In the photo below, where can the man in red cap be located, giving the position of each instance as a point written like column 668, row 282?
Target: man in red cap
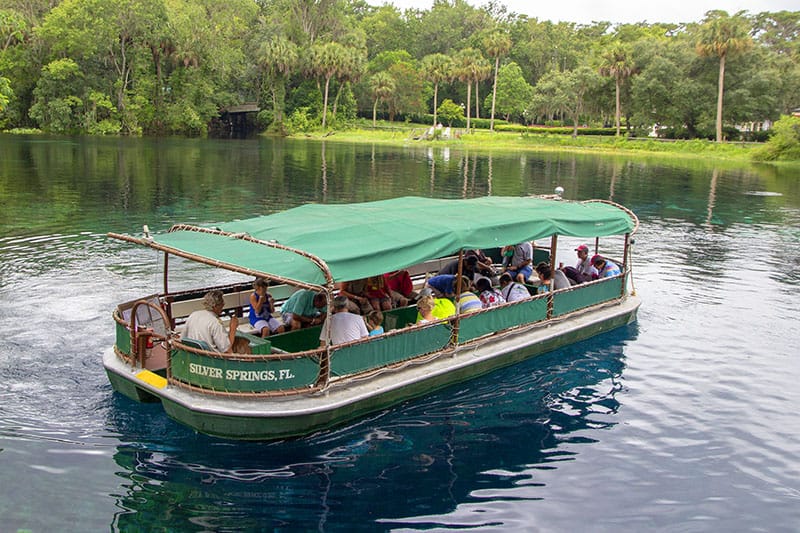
column 584, row 270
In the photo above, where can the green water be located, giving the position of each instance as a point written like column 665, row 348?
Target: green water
column 685, row 421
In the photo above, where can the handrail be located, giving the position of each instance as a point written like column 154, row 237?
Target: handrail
column 137, row 351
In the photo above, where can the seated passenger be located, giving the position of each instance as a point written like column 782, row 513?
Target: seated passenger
column 304, row 308
column 262, row 306
column 519, row 263
column 489, row 296
column 204, row 324
column 375, row 323
column 511, row 290
column 468, row 301
column 442, row 307
column 343, row 326
column 551, row 280
column 378, row 294
column 605, row 268
column 469, row 267
column 484, row 265
column 425, row 305
column 356, row 292
column 442, row 285
column 584, row 270
column 400, row 288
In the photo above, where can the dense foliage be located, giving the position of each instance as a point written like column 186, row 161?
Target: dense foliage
column 171, row 66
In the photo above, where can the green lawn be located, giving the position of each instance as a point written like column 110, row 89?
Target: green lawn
column 405, row 134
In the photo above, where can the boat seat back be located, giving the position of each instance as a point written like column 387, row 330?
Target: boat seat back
column 197, row 344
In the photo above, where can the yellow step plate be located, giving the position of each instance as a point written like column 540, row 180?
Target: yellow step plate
column 152, row 379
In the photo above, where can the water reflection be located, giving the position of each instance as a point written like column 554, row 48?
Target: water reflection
column 434, row 453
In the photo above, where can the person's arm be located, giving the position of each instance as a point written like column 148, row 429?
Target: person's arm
column 257, row 303
column 232, row 332
column 343, row 289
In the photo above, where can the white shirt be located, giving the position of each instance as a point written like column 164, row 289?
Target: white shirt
column 514, row 291
column 203, row 325
column 344, row 327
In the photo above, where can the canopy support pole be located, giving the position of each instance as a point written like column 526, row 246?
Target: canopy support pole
column 459, row 288
column 553, row 248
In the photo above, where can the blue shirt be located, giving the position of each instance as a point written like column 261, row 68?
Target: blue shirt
column 610, row 269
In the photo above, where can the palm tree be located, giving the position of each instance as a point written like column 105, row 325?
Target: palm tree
column 382, row 86
column 436, row 68
column 618, row 64
column 497, row 45
column 351, row 71
column 278, row 58
column 722, row 36
column 327, row 60
column 482, row 72
column 466, row 69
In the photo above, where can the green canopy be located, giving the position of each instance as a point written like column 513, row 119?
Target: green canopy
column 366, row 239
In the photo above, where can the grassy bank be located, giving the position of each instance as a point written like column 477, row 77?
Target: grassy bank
column 511, row 141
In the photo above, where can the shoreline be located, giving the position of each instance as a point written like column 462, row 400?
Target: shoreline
column 484, row 140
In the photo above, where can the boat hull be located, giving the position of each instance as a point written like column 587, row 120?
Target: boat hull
column 298, row 415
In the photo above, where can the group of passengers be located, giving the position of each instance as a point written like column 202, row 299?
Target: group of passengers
column 357, row 309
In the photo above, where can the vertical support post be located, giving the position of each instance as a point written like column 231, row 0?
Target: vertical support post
column 459, row 288
column 625, row 264
column 553, row 250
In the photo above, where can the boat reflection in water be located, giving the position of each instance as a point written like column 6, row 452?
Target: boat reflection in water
column 481, row 441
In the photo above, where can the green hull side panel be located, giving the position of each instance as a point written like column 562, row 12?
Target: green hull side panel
column 500, row 318
column 568, row 301
column 256, row 374
column 259, row 428
column 382, row 351
column 123, row 338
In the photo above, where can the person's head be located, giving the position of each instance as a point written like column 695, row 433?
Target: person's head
column 466, row 283
column 320, row 300
column 426, row 304
column 260, row 284
column 543, row 269
column 582, row 251
column 505, row 279
column 339, row 303
column 483, row 284
column 471, row 262
column 375, row 319
column 214, row 301
column 598, row 262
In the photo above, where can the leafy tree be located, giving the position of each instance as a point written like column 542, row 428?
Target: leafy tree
column 436, row 68
column 618, row 64
column 382, row 87
column 102, row 29
column 497, row 45
column 723, row 36
column 665, row 94
column 513, row 92
column 564, row 92
column 409, row 95
column 450, row 111
column 6, row 94
column 57, row 103
column 13, row 28
column 385, row 29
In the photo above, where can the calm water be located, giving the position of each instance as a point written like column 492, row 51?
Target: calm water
column 685, row 421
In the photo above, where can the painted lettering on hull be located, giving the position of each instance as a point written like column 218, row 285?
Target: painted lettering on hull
column 240, row 375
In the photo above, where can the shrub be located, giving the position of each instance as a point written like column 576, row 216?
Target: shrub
column 784, row 144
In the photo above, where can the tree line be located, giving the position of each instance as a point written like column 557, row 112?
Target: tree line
column 169, row 66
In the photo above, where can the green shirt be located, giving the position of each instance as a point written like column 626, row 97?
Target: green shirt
column 302, row 303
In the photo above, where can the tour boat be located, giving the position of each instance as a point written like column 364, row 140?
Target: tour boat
column 291, row 385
